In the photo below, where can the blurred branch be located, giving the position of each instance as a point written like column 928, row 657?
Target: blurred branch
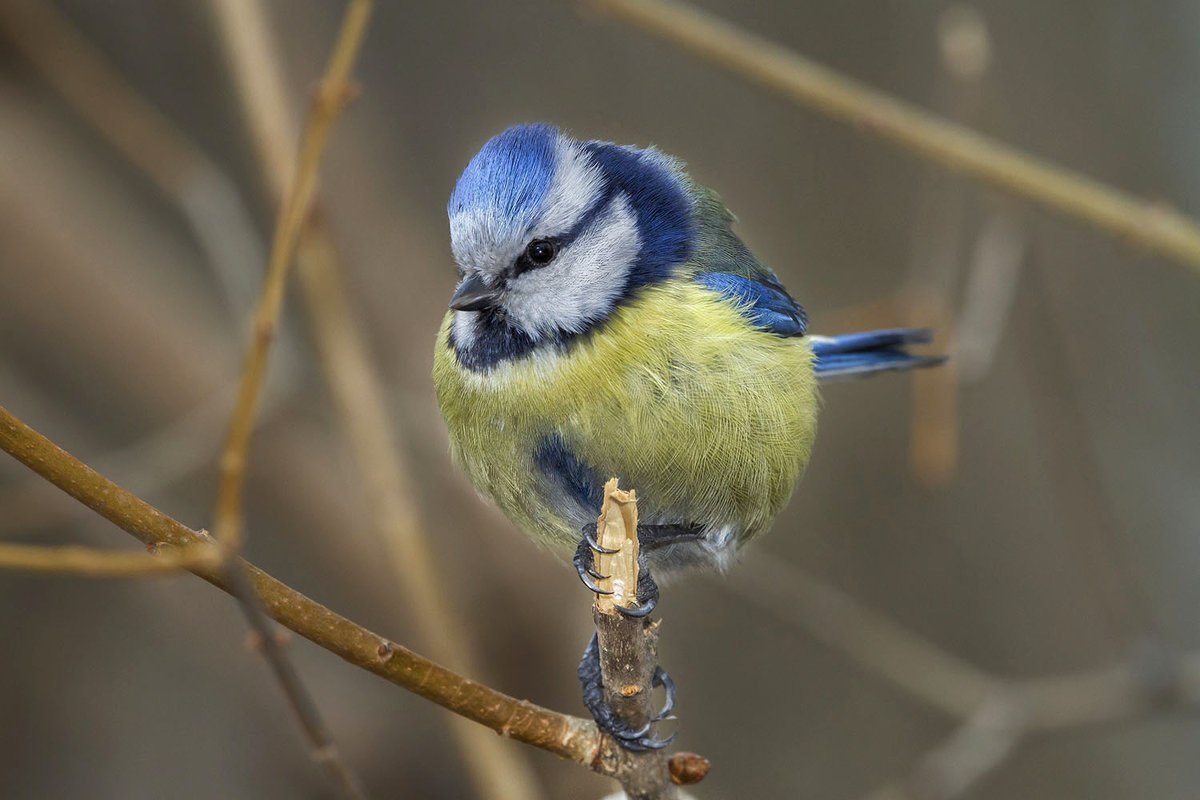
column 996, row 712
column 993, row 273
column 206, row 197
column 981, row 744
column 496, row 770
column 1149, row 680
column 92, row 563
column 208, row 200
column 331, row 97
column 572, row 738
column 1151, row 225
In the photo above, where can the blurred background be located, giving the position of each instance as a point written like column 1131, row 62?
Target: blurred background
column 1031, row 512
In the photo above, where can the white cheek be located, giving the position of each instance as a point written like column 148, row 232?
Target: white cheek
column 464, row 325
column 584, row 282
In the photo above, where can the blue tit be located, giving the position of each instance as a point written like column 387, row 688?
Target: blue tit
column 609, row 323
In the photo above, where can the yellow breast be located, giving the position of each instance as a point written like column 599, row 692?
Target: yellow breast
column 676, row 394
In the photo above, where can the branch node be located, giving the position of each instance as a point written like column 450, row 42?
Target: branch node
column 688, row 768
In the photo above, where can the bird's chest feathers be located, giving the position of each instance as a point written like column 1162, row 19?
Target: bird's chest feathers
column 674, row 392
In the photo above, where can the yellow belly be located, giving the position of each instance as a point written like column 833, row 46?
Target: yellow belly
column 676, row 394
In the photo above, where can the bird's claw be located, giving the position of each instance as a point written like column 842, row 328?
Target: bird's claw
column 587, row 574
column 638, row 739
column 661, row 678
column 640, row 610
column 590, row 538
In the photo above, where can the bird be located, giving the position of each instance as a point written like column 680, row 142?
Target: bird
column 608, row 322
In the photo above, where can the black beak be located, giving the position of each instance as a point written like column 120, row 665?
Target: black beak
column 473, row 295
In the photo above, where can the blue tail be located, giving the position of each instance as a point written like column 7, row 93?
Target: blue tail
column 858, row 354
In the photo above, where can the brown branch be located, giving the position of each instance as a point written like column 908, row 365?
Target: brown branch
column 331, row 98
column 628, row 647
column 1150, row 680
column 497, row 770
column 569, row 737
column 204, row 195
column 92, row 563
column 1151, row 225
column 324, row 748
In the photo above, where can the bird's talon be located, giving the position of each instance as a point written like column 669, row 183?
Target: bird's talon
column 590, row 538
column 583, row 566
column 655, row 744
column 640, row 610
column 661, row 678
column 631, row 735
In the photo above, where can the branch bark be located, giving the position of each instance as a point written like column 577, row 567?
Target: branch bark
column 570, row 737
column 628, row 646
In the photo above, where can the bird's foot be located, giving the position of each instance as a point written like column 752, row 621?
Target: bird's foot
column 637, row 739
column 584, row 560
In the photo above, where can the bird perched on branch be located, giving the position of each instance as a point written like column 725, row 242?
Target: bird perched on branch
column 608, row 322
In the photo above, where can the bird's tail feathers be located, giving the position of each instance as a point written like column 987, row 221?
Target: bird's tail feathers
column 858, row 354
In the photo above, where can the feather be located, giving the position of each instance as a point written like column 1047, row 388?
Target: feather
column 857, row 354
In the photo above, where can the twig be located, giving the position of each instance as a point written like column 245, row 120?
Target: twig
column 1149, row 680
column 331, row 98
column 209, row 201
column 324, row 748
column 978, row 746
column 91, row 563
column 497, row 770
column 1151, row 225
column 570, row 737
column 628, row 647
column 907, row 660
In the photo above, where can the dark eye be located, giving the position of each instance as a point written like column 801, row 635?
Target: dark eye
column 541, row 252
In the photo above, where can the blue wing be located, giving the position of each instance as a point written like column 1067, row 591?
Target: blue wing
column 726, row 266
column 763, row 300
column 857, row 354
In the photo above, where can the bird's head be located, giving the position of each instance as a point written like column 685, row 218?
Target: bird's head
column 551, row 234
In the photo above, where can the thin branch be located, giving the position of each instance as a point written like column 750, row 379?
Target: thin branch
column 1150, row 680
column 909, row 661
column 497, row 770
column 570, row 737
column 324, row 748
column 207, row 198
column 1151, row 225
column 331, row 98
column 981, row 744
column 628, row 647
column 91, row 563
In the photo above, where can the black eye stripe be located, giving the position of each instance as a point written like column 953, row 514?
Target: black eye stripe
column 538, row 253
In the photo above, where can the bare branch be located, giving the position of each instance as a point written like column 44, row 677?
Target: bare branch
column 92, row 563
column 1151, row 225
column 497, row 770
column 909, row 661
column 628, row 647
column 572, row 738
column 331, row 98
